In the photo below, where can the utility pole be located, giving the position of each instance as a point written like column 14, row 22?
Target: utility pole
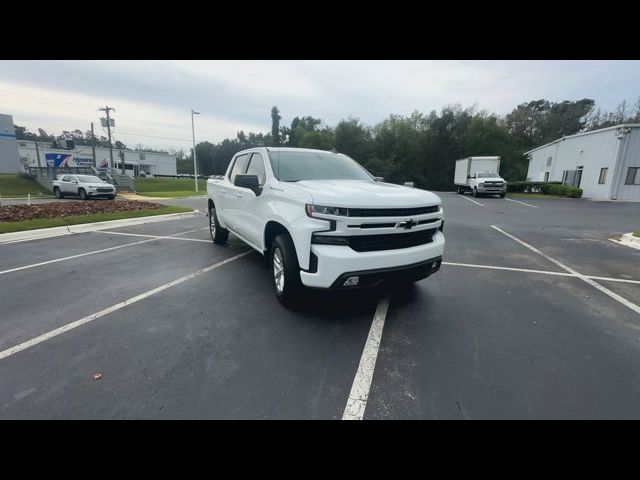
column 195, row 158
column 93, row 146
column 106, row 109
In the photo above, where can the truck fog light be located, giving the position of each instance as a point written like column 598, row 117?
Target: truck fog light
column 351, row 282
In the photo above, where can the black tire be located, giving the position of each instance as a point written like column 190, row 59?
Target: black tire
column 283, row 252
column 502, row 195
column 82, row 194
column 460, row 191
column 58, row 193
column 218, row 234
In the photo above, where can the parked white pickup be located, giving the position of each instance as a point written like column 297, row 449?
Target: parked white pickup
column 322, row 221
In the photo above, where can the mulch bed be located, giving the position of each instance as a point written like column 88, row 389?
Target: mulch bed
column 17, row 213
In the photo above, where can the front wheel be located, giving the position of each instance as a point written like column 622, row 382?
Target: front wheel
column 502, row 195
column 285, row 270
column 58, row 193
column 219, row 235
column 82, row 194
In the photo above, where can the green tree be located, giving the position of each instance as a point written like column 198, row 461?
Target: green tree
column 275, row 126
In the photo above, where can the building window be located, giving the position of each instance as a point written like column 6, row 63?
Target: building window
column 546, row 176
column 603, row 176
column 141, row 156
column 549, row 159
column 633, row 176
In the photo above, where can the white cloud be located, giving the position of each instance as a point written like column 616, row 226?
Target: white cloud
column 154, row 97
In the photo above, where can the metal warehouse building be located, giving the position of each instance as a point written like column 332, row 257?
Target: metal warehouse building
column 604, row 163
column 136, row 162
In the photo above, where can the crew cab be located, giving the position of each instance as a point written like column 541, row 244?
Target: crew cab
column 83, row 186
column 322, row 221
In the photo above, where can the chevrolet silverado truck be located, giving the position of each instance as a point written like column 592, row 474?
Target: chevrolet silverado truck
column 322, row 221
column 83, row 186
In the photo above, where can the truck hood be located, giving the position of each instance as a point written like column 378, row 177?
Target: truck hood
column 493, row 179
column 358, row 194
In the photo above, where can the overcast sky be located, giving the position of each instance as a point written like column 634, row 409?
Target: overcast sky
column 153, row 98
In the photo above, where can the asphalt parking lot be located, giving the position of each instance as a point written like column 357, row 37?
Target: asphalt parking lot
column 535, row 314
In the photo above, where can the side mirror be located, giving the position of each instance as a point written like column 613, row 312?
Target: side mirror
column 469, row 176
column 248, row 181
column 379, row 179
column 74, row 181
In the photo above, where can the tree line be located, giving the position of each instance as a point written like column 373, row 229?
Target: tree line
column 420, row 147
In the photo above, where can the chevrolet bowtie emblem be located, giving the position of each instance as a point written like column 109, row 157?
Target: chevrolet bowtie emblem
column 407, row 224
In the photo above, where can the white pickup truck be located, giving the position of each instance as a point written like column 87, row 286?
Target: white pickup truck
column 322, row 221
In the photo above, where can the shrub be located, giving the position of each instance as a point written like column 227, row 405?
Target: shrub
column 556, row 190
column 573, row 192
column 544, row 189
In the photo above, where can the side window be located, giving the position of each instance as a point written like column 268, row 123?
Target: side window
column 256, row 167
column 239, row 166
column 66, row 178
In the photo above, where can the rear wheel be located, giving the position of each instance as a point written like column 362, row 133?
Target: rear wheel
column 285, row 270
column 58, row 193
column 82, row 194
column 219, row 235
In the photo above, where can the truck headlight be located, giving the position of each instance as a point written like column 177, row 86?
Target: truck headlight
column 324, row 210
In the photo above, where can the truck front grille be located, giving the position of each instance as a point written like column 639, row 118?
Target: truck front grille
column 391, row 212
column 101, row 189
column 372, row 243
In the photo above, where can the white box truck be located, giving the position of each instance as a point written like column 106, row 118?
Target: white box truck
column 479, row 175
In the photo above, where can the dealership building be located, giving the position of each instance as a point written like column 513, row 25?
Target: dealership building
column 604, row 163
column 68, row 155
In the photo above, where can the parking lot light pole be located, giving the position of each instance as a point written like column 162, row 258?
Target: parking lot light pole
column 195, row 163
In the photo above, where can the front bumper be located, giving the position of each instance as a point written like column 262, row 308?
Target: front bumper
column 490, row 189
column 339, row 262
column 95, row 193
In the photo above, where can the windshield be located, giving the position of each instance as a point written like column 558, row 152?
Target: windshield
column 294, row 166
column 487, row 175
column 88, row 179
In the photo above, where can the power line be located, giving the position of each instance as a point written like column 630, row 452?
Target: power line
column 120, row 132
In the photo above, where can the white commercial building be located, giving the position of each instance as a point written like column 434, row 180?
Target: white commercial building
column 604, row 163
column 136, row 162
column 8, row 148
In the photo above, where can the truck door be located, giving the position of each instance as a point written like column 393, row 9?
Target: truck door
column 227, row 205
column 250, row 205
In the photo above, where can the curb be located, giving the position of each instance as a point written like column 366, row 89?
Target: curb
column 629, row 240
column 40, row 233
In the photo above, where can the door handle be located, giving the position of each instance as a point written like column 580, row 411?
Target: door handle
column 223, row 191
column 239, row 195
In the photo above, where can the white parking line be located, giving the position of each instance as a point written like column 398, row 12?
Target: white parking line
column 584, row 278
column 102, row 250
column 532, row 206
column 357, row 401
column 159, row 237
column 462, row 196
column 94, row 316
column 543, row 272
